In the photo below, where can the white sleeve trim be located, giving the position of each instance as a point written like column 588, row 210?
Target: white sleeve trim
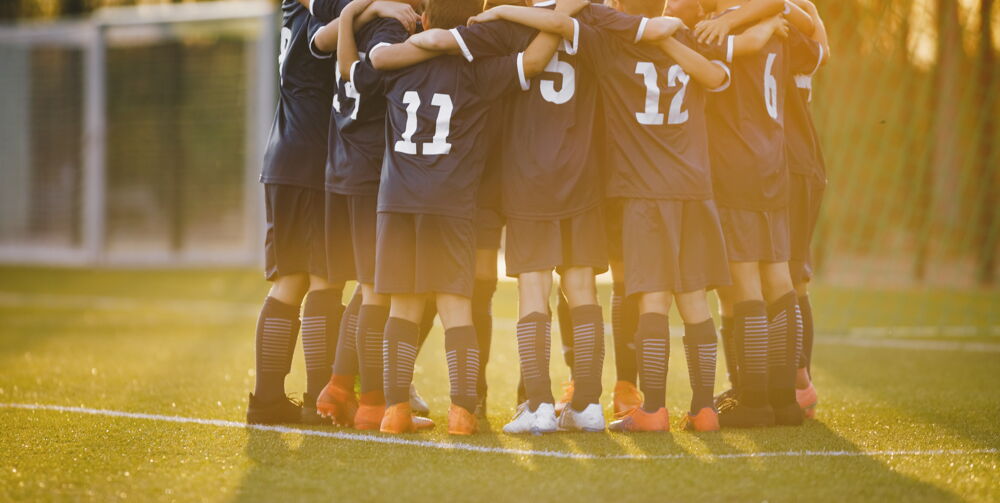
column 571, row 48
column 642, row 29
column 312, row 46
column 372, row 51
column 788, row 8
column 729, row 78
column 730, row 40
column 311, row 2
column 353, row 66
column 819, row 61
column 525, row 85
column 461, row 44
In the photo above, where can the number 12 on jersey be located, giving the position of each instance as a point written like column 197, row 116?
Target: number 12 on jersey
column 439, row 144
column 651, row 115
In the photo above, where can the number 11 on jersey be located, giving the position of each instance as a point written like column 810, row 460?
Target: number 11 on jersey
column 439, row 143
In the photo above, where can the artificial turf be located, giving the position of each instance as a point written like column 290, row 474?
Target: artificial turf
column 181, row 343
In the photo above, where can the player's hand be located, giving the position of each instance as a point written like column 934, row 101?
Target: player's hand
column 494, row 14
column 399, row 11
column 571, row 7
column 779, row 25
column 712, row 31
column 433, row 39
column 673, row 24
column 356, row 7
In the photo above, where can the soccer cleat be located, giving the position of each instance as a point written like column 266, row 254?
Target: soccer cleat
column 309, row 413
column 626, row 397
column 736, row 415
column 277, row 411
column 370, row 411
column 590, row 419
column 638, row 420
column 338, row 402
column 417, row 402
column 566, row 398
column 541, row 420
column 461, row 421
column 399, row 418
column 788, row 415
column 705, row 420
column 807, row 399
column 722, row 400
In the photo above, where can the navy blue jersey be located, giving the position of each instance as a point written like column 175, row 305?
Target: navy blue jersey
column 551, row 166
column 655, row 113
column 296, row 148
column 489, row 185
column 801, row 142
column 746, row 124
column 327, row 10
column 437, row 115
column 357, row 122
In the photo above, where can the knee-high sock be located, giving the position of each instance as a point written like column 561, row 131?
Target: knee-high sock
column 462, row 351
column 784, row 346
column 399, row 353
column 482, row 320
column 750, row 335
column 732, row 352
column 624, row 314
column 321, row 315
column 805, row 357
column 427, row 322
column 701, row 349
column 371, row 326
column 652, row 341
column 277, row 329
column 588, row 355
column 533, row 349
column 345, row 361
column 565, row 321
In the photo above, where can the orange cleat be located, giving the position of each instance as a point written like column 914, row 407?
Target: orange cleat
column 638, row 420
column 370, row 411
column 461, row 421
column 337, row 400
column 705, row 420
column 399, row 418
column 566, row 398
column 626, row 397
column 807, row 399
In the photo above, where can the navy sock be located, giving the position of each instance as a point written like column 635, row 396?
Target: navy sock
column 482, row 320
column 565, row 321
column 730, row 350
column 652, row 342
column 588, row 355
column 345, row 361
column 462, row 351
column 371, row 325
column 533, row 348
column 805, row 357
column 784, row 326
column 750, row 335
column 399, row 355
column 321, row 313
column 701, row 349
column 623, row 325
column 277, row 329
column 427, row 322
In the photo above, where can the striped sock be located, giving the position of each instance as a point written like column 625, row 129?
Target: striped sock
column 565, row 321
column 652, row 341
column 623, row 314
column 321, row 314
column 371, row 326
column 731, row 351
column 427, row 321
column 784, row 329
column 399, row 353
column 701, row 350
column 462, row 351
column 277, row 329
column 534, row 348
column 345, row 362
column 750, row 337
column 482, row 320
column 805, row 356
column 588, row 355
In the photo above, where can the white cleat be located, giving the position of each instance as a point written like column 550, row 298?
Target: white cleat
column 590, row 419
column 542, row 420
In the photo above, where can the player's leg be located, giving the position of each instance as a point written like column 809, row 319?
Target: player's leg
column 566, row 338
column 652, row 343
column 588, row 350
column 338, row 400
column 402, row 333
column 463, row 355
column 701, row 350
column 805, row 392
column 624, row 314
column 784, row 341
column 806, row 195
column 482, row 314
column 726, row 294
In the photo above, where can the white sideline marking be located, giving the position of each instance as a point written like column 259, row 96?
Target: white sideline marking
column 483, row 449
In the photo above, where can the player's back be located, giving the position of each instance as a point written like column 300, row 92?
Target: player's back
column 802, row 143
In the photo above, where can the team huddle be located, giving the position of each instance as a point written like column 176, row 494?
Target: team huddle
column 671, row 144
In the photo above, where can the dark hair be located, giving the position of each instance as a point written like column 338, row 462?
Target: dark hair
column 451, row 13
column 648, row 8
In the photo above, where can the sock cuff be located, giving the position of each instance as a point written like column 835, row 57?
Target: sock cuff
column 653, row 325
column 322, row 299
column 587, row 313
column 749, row 308
column 784, row 303
column 460, row 337
column 274, row 308
column 700, row 333
column 536, row 317
column 401, row 329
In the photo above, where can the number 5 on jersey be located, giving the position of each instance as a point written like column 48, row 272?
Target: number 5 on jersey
column 439, row 144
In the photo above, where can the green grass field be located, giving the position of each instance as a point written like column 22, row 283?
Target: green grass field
column 900, row 418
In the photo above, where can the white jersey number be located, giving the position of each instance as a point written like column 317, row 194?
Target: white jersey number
column 350, row 91
column 439, row 145
column 286, row 41
column 651, row 115
column 770, row 87
column 548, row 87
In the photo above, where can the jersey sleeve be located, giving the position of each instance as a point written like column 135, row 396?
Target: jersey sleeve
column 495, row 38
column 326, row 10
column 805, row 54
column 495, row 76
column 627, row 27
column 715, row 53
column 314, row 26
column 383, row 31
column 364, row 77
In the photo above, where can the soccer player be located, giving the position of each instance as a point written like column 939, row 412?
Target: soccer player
column 552, row 199
column 750, row 177
column 295, row 242
column 437, row 113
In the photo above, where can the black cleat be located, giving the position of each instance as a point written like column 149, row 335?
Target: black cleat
column 726, row 397
column 309, row 414
column 737, row 415
column 788, row 415
column 277, row 411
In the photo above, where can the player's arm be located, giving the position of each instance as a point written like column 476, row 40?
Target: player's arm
column 326, row 37
column 347, row 48
column 799, row 18
column 819, row 34
column 711, row 75
column 543, row 20
column 659, row 28
column 715, row 31
column 755, row 37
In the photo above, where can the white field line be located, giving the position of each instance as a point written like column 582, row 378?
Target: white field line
column 884, row 337
column 458, row 446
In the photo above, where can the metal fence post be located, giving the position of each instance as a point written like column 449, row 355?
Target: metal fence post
column 94, row 158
